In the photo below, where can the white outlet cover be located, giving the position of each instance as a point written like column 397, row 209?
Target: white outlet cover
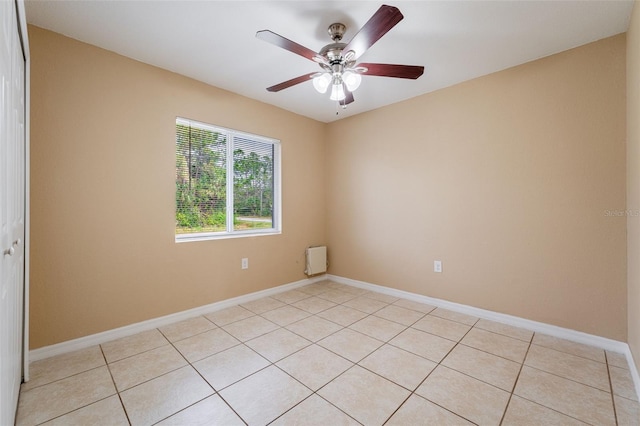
column 245, row 263
column 437, row 266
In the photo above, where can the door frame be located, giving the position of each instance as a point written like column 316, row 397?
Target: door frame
column 24, row 41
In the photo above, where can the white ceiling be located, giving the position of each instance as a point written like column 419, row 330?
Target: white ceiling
column 214, row 41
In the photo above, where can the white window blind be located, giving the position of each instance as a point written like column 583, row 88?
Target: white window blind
column 227, row 182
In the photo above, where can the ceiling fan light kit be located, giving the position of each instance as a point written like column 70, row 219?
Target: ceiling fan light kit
column 338, row 60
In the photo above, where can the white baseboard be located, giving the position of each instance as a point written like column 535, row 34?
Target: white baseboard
column 106, row 336
column 538, row 327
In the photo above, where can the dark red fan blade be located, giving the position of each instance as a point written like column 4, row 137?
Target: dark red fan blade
column 380, row 23
column 292, row 82
column 349, row 97
column 391, row 70
column 291, row 46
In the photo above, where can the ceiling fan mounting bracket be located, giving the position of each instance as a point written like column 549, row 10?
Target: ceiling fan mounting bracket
column 336, row 31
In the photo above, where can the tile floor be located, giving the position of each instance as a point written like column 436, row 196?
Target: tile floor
column 330, row 354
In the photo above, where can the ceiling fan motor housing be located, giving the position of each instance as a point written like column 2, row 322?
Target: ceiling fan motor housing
column 336, row 31
column 333, row 52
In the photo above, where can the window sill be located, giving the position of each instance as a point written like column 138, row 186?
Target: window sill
column 186, row 238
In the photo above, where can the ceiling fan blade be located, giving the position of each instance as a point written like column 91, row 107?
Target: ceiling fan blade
column 292, row 82
column 348, row 99
column 378, row 25
column 291, row 46
column 392, row 70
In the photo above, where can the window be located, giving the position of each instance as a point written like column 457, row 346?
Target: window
column 227, row 182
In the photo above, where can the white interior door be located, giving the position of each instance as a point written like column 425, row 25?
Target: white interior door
column 12, row 210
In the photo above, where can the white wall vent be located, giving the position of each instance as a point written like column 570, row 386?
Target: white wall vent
column 316, row 260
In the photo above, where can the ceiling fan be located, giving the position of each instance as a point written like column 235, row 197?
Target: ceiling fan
column 338, row 60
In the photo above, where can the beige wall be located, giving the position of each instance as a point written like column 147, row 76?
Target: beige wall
column 633, row 182
column 102, row 193
column 506, row 179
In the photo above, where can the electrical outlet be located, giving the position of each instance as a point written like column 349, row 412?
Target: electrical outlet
column 437, row 266
column 245, row 263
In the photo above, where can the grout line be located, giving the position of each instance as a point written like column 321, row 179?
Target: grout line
column 398, row 407
column 572, row 354
column 556, row 411
column 503, row 334
column 515, row 382
column 613, row 400
column 115, row 386
column 566, row 378
column 63, row 378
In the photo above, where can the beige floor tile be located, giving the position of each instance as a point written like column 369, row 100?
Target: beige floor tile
column 210, row 411
column 315, row 288
column 205, row 344
column 285, row 315
column 365, row 396
column 401, row 367
column 569, row 366
column 571, row 398
column 58, row 367
column 133, row 345
column 229, row 366
column 381, row 297
column 627, row 411
column 148, row 365
column 313, row 305
column 418, row 411
column 63, row 396
column 263, row 305
column 355, row 290
column 622, row 383
column 264, row 396
column 522, row 412
column 350, row 344
column 187, row 328
column 481, row 404
column 164, row 396
column 569, row 347
column 314, row 411
column 617, row 360
column 314, row 366
column 414, row 306
column 277, row 344
column 506, row 330
column 454, row 316
column 342, row 315
column 249, row 328
column 338, row 286
column 492, row 369
column 108, row 411
column 365, row 304
column 399, row 314
column 229, row 315
column 442, row 327
column 290, row 296
column 378, row 328
column 424, row 344
column 496, row 344
column 314, row 328
column 337, row 296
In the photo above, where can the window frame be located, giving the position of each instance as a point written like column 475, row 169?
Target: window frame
column 230, row 232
